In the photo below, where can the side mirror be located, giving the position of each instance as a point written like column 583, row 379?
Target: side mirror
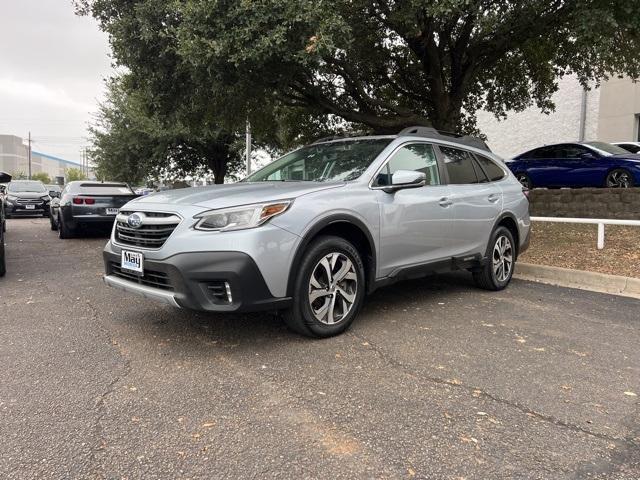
column 402, row 179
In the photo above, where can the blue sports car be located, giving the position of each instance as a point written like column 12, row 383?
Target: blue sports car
column 588, row 164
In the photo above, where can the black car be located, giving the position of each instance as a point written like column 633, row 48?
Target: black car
column 84, row 204
column 26, row 197
column 4, row 177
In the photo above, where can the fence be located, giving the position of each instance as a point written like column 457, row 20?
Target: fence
column 601, row 222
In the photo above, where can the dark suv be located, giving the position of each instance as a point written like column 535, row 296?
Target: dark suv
column 4, row 178
column 27, row 197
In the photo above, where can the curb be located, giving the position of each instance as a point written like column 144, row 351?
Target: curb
column 583, row 280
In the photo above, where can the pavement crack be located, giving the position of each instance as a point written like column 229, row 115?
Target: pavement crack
column 394, row 362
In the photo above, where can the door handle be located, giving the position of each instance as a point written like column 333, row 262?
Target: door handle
column 445, row 202
column 493, row 198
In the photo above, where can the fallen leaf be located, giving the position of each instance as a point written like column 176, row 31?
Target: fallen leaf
column 411, row 472
column 208, row 425
column 630, row 394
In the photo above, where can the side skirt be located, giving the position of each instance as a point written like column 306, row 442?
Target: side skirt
column 465, row 262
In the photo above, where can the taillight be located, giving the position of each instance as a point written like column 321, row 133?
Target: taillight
column 89, row 201
column 526, row 192
column 77, row 201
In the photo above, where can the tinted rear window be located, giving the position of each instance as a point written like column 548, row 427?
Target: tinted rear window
column 493, row 171
column 104, row 189
column 459, row 165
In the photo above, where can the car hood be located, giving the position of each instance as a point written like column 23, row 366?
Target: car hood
column 229, row 195
column 28, row 195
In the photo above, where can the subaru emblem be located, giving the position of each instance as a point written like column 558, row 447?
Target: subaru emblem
column 134, row 220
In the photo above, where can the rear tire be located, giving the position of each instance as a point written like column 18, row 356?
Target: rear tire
column 52, row 221
column 501, row 256
column 619, row 178
column 524, row 180
column 329, row 289
column 64, row 231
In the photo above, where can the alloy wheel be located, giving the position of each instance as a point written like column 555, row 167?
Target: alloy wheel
column 619, row 179
column 333, row 287
column 524, row 180
column 502, row 258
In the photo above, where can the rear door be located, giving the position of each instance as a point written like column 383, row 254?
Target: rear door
column 476, row 201
column 415, row 223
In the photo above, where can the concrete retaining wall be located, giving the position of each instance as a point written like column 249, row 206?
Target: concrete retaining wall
column 586, row 203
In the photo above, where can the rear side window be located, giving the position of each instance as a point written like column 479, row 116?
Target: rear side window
column 493, row 171
column 459, row 165
column 419, row 157
column 104, row 189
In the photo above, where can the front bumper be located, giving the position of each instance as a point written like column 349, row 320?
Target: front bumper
column 194, row 280
column 15, row 208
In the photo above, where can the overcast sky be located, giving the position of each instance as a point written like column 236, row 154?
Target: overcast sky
column 52, row 66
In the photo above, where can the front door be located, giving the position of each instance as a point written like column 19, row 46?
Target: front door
column 415, row 223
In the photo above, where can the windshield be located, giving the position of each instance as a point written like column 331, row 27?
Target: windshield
column 606, row 148
column 323, row 162
column 37, row 187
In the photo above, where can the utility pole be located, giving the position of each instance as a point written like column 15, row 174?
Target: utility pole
column 248, row 147
column 29, row 154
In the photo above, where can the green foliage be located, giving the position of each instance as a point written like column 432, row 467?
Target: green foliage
column 300, row 66
column 73, row 174
column 19, row 175
column 42, row 176
column 133, row 140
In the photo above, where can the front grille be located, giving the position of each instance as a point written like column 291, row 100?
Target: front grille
column 29, row 201
column 151, row 278
column 156, row 227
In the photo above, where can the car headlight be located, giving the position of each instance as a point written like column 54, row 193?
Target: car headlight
column 46, row 198
column 11, row 199
column 240, row 218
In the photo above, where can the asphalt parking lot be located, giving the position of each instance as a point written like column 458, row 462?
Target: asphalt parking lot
column 435, row 380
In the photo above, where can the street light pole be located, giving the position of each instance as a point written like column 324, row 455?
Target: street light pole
column 248, row 147
column 29, row 154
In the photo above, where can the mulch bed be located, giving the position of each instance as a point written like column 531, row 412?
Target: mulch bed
column 574, row 246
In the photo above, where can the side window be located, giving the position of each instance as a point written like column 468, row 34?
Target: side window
column 542, row 153
column 574, row 152
column 494, row 172
column 557, row 152
column 459, row 165
column 419, row 157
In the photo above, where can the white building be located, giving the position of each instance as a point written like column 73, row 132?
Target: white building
column 609, row 113
column 14, row 159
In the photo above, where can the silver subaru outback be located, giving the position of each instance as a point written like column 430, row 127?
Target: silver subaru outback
column 315, row 231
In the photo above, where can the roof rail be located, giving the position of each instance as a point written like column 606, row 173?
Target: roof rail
column 431, row 132
column 328, row 139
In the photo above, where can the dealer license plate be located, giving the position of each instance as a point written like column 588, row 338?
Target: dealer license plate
column 132, row 262
column 30, row 207
column 112, row 211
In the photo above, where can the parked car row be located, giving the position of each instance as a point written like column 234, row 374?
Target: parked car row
column 584, row 164
column 79, row 206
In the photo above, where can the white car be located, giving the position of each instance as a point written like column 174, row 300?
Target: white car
column 633, row 147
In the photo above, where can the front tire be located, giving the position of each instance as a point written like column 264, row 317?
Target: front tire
column 52, row 221
column 501, row 256
column 619, row 178
column 329, row 289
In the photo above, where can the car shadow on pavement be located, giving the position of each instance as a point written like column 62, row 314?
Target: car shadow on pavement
column 265, row 331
